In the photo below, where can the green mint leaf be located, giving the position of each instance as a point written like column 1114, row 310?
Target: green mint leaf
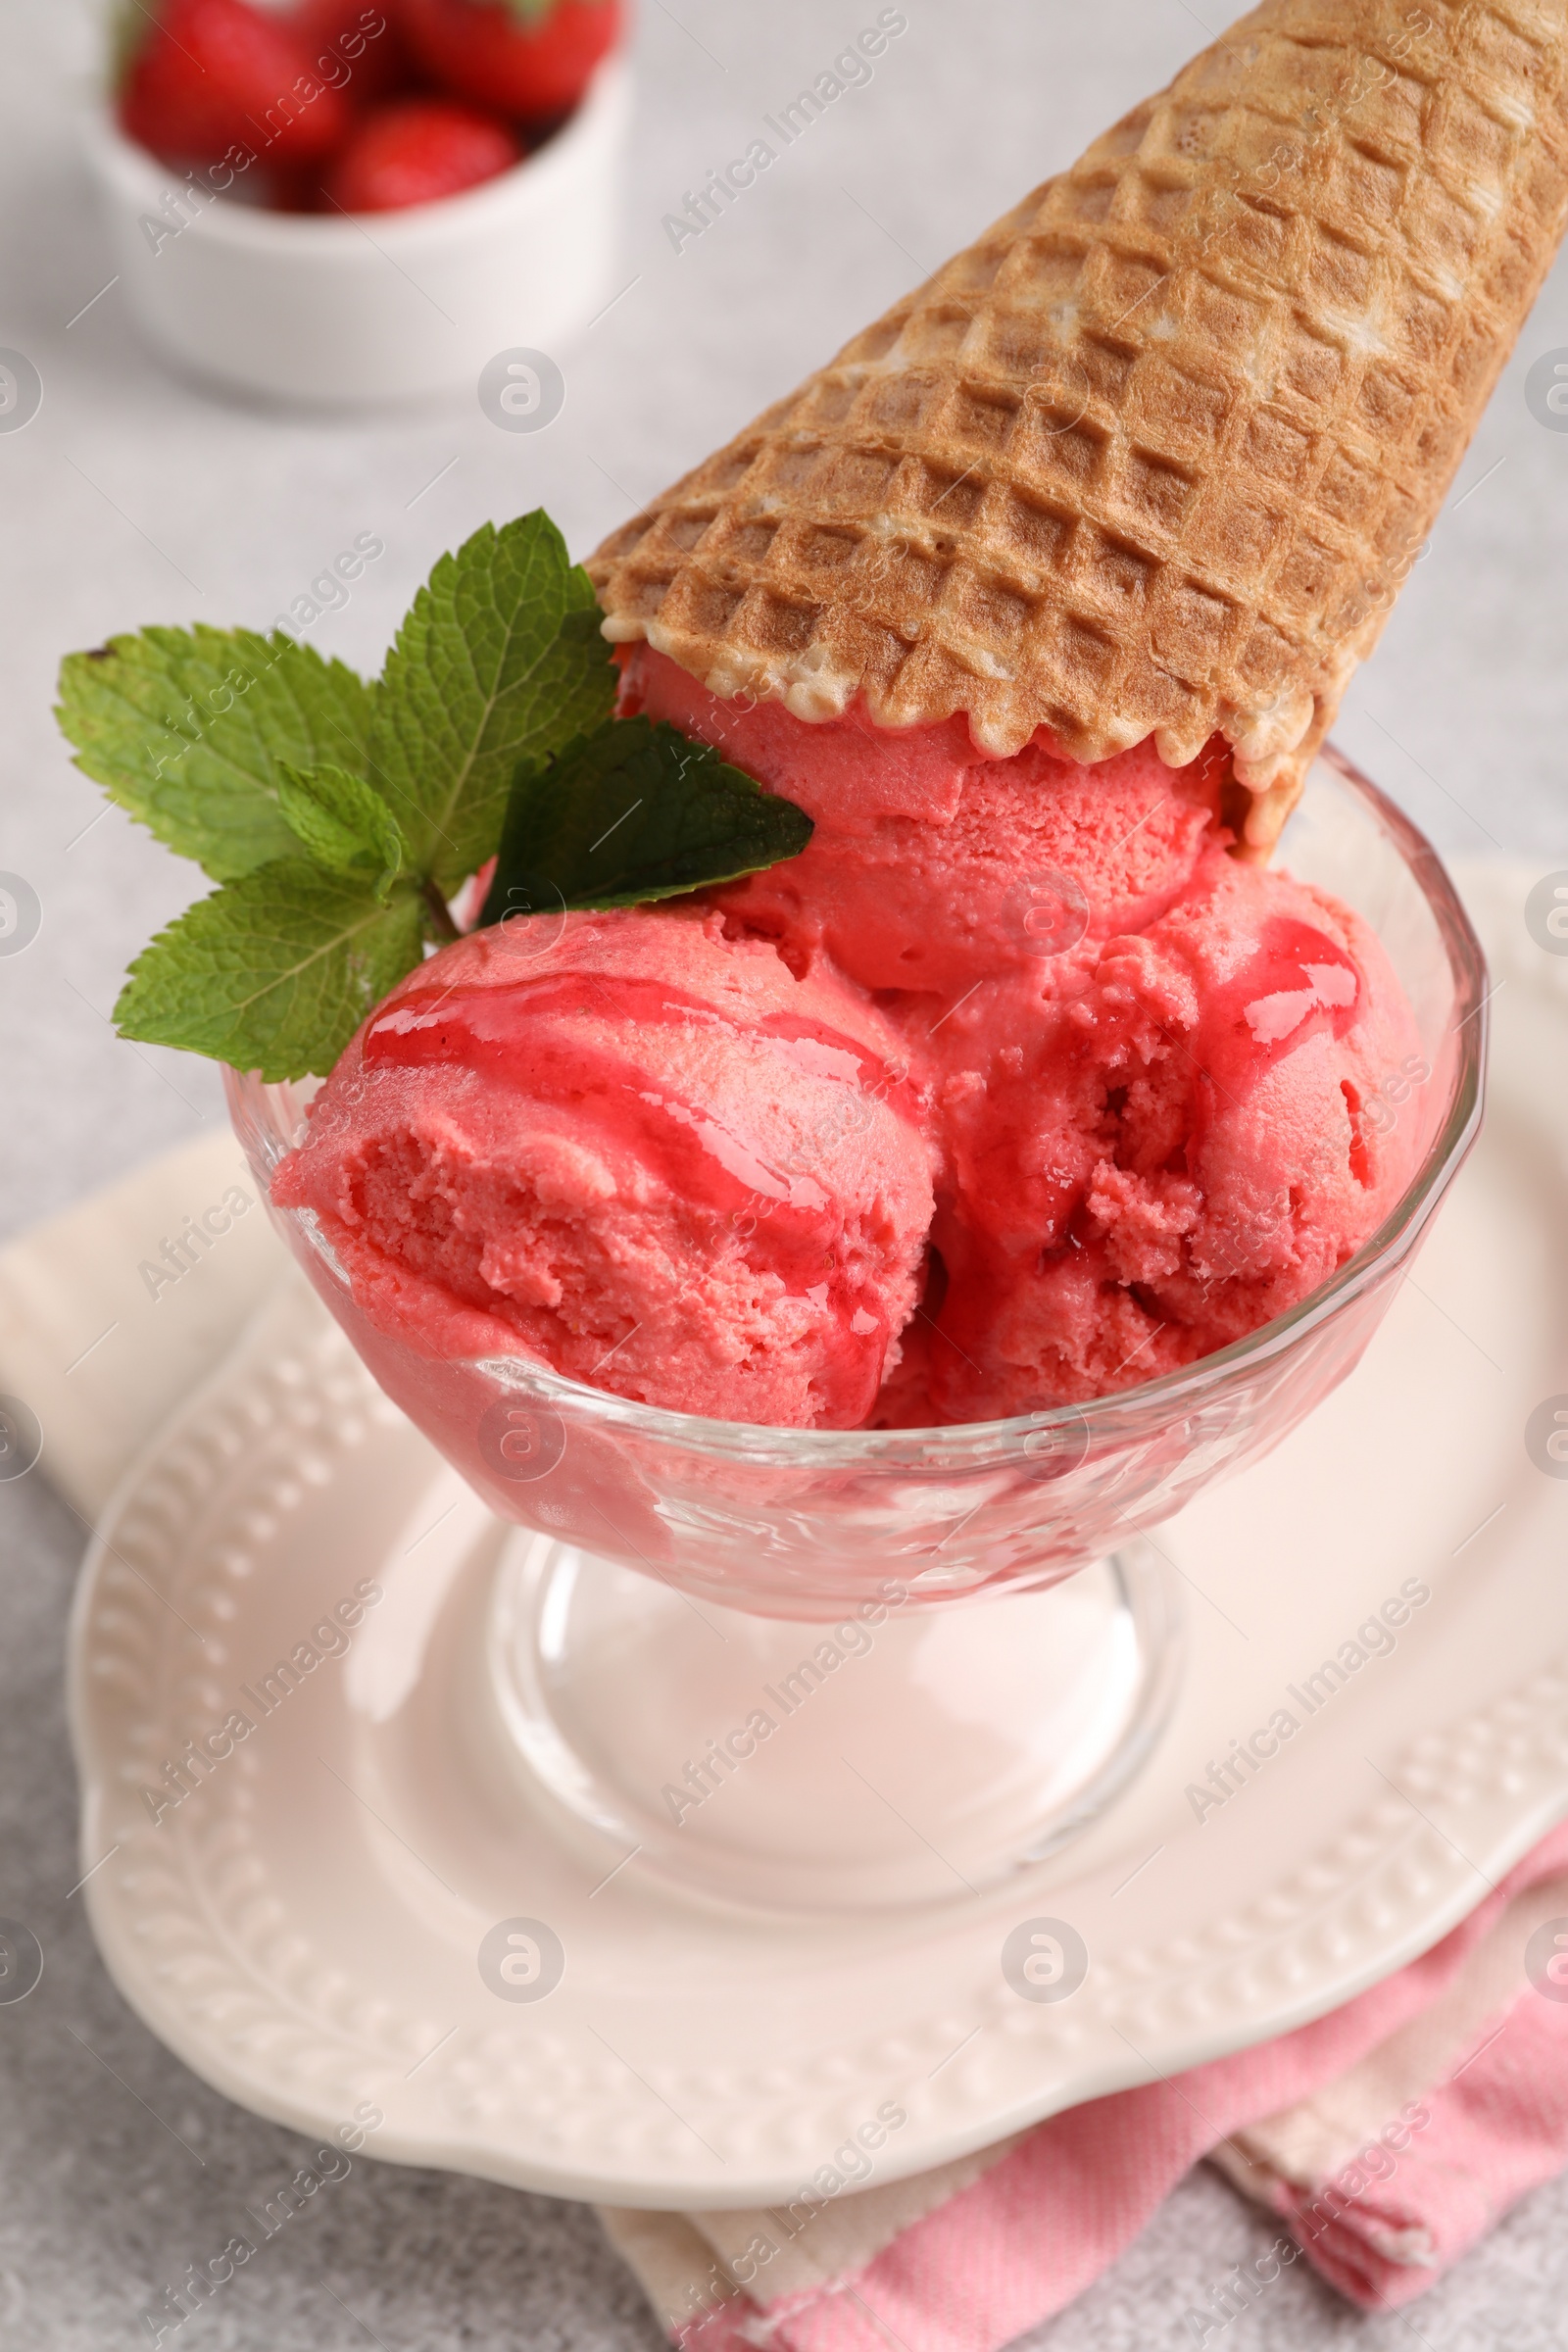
column 273, row 972
column 633, row 812
column 500, row 660
column 342, row 823
column 188, row 728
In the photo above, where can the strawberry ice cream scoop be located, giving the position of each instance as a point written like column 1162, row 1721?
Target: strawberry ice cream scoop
column 635, row 1150
column 1198, row 1137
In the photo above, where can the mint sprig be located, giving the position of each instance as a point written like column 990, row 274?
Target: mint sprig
column 634, row 812
column 338, row 817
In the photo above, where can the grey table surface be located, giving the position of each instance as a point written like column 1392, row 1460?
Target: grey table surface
column 133, row 498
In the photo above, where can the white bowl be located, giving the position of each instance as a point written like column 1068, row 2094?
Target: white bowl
column 391, row 306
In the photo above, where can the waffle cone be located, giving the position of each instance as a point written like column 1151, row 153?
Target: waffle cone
column 1154, row 455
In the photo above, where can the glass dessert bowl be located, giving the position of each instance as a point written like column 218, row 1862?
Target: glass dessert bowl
column 729, row 1653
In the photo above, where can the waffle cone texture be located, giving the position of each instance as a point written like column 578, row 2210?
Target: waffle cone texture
column 1153, row 455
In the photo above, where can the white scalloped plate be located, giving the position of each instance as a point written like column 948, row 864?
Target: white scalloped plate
column 304, row 1930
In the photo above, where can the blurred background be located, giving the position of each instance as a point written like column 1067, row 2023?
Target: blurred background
column 132, row 498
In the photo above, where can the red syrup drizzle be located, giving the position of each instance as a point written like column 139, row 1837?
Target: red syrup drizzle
column 1296, row 984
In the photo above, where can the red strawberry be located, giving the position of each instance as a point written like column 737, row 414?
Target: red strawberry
column 212, row 75
column 356, row 37
column 513, row 54
column 418, row 150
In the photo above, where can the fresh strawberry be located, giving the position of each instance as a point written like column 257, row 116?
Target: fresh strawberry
column 522, row 56
column 356, row 37
column 416, row 150
column 213, row 75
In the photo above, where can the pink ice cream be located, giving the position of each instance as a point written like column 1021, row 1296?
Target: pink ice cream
column 1013, row 1088
column 635, row 1150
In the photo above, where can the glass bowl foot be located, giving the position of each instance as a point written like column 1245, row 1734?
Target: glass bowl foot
column 901, row 1755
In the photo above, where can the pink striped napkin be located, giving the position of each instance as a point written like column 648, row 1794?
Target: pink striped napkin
column 1388, row 2135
